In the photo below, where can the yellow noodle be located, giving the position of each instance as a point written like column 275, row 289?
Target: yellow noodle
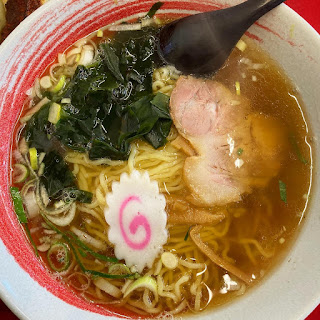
column 258, row 247
column 165, row 165
column 94, row 213
column 179, row 308
column 92, row 264
column 225, row 251
column 161, row 292
column 178, row 284
column 92, row 205
column 197, row 301
column 98, row 293
column 134, row 309
column 141, row 306
column 97, row 234
column 158, row 267
column 82, row 181
column 249, row 254
column 164, row 79
column 146, row 299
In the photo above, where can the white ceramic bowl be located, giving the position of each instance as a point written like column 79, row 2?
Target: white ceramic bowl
column 292, row 290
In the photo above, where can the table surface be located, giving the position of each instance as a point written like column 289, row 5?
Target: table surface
column 310, row 11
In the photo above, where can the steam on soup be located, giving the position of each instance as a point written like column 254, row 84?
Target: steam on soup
column 155, row 191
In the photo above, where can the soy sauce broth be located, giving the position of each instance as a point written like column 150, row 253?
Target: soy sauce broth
column 271, row 93
column 267, row 218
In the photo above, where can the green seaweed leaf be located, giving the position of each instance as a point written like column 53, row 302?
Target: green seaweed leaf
column 155, row 7
column 283, row 191
column 111, row 60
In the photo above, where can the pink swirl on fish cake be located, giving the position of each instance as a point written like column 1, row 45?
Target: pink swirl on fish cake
column 137, row 221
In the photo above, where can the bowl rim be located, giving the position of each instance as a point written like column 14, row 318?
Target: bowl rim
column 5, row 294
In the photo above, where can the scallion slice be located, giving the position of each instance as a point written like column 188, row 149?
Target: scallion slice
column 18, row 205
column 154, row 9
column 239, row 151
column 187, row 234
column 119, row 268
column 21, row 214
column 33, row 154
column 59, row 86
column 283, row 191
column 59, row 257
column 147, row 282
column 20, row 173
column 84, row 249
column 296, row 149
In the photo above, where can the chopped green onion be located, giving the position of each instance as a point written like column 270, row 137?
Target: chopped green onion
column 45, row 82
column 65, row 100
column 239, row 151
column 83, row 246
column 59, row 257
column 41, row 169
column 54, row 113
column 60, row 84
column 20, row 173
column 41, row 157
column 283, row 191
column 99, row 33
column 169, row 260
column 241, row 45
column 296, row 149
column 118, row 268
column 154, row 9
column 18, row 205
column 22, row 217
column 31, row 240
column 238, row 90
column 82, row 253
column 33, row 154
column 111, row 276
column 144, row 282
column 187, row 234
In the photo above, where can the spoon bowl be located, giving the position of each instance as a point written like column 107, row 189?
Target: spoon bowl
column 200, row 44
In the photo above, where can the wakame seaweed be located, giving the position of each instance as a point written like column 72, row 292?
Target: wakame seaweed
column 59, row 181
column 38, row 130
column 57, row 177
column 112, row 103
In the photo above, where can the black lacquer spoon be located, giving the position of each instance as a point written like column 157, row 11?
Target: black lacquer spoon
column 201, row 43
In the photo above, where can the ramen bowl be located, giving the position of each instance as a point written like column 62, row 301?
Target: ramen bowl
column 292, row 289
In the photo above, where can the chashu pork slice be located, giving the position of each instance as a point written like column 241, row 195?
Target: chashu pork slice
column 236, row 149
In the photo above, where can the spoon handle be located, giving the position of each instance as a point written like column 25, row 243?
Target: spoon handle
column 257, row 8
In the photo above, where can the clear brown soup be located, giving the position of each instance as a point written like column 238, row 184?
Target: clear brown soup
column 272, row 93
column 261, row 217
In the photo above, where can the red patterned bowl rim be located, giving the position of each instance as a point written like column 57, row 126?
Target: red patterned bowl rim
column 45, row 35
